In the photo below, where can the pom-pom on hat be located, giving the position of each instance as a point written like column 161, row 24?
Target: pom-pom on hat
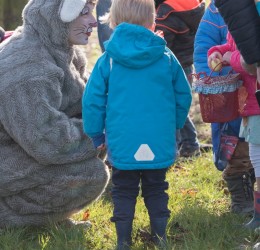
column 71, row 9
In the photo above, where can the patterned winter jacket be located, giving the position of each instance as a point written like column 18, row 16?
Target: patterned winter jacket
column 179, row 21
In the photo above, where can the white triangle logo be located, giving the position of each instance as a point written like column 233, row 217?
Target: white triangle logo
column 144, row 153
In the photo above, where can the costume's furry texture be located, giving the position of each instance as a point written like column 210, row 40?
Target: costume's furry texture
column 48, row 167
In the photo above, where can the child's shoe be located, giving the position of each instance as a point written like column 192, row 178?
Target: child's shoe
column 255, row 222
column 158, row 230
column 124, row 231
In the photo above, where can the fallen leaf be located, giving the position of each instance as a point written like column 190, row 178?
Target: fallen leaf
column 190, row 192
column 86, row 215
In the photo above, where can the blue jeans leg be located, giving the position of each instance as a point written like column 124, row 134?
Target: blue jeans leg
column 104, row 31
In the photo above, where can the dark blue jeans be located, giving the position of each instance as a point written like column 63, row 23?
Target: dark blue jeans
column 126, row 186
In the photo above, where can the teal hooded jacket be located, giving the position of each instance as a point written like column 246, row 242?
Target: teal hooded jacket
column 137, row 96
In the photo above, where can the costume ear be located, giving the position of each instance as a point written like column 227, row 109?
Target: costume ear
column 71, row 9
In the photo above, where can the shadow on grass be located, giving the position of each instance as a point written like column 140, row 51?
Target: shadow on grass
column 194, row 227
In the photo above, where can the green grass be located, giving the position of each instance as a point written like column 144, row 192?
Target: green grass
column 200, row 218
column 199, row 204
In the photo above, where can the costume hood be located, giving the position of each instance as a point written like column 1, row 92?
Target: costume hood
column 43, row 39
column 47, row 17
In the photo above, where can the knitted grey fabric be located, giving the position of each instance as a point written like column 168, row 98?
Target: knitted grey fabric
column 48, row 167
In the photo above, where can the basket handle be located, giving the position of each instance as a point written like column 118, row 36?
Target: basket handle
column 224, row 63
column 207, row 77
column 199, row 75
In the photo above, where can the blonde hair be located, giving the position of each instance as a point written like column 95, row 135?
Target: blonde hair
column 140, row 12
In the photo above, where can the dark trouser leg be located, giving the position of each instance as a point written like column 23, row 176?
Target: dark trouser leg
column 156, row 201
column 188, row 135
column 124, row 192
column 189, row 141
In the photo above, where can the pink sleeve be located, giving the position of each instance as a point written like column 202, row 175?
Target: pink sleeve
column 235, row 62
column 222, row 49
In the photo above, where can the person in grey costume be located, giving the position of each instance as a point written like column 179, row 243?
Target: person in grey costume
column 48, row 168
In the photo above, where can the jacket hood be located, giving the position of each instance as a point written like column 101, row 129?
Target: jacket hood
column 46, row 17
column 134, row 46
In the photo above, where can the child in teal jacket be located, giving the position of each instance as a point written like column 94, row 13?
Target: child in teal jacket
column 136, row 98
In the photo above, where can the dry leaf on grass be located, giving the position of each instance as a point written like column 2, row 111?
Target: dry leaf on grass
column 86, row 215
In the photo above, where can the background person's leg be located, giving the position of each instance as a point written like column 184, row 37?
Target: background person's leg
column 254, row 152
column 187, row 139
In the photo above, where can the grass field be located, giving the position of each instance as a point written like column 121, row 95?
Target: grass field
column 200, row 219
column 199, row 204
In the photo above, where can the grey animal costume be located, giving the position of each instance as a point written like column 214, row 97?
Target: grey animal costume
column 48, row 167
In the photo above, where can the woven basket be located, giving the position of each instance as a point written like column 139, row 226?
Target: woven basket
column 218, row 96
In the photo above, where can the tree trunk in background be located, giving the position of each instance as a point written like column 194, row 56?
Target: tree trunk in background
column 11, row 13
